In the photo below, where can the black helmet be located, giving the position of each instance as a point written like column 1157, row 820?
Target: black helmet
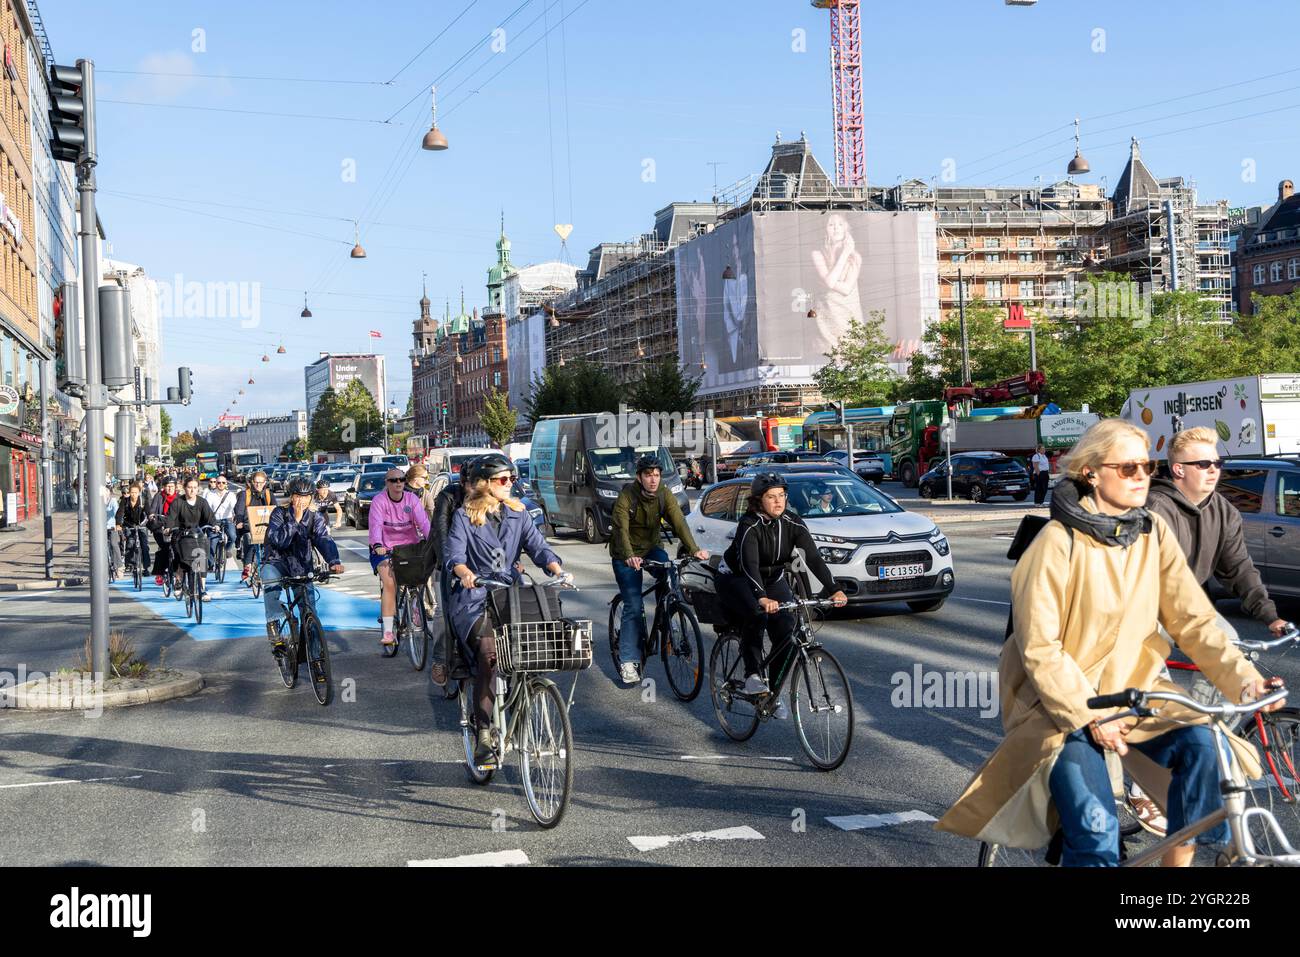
column 647, row 463
column 488, row 465
column 765, row 482
column 321, row 483
column 300, row 486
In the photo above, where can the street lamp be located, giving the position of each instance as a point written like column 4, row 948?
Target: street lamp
column 434, row 139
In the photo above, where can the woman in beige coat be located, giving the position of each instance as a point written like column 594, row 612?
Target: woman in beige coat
column 1088, row 597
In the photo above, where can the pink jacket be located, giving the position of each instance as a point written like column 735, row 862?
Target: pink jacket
column 397, row 523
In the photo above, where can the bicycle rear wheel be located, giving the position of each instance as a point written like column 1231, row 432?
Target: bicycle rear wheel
column 190, row 600
column 682, row 651
column 999, row 855
column 417, row 639
column 821, row 704
column 286, row 659
column 546, row 752
column 318, row 658
column 220, row 567
column 196, row 583
column 738, row 717
column 615, row 628
column 1277, row 735
column 167, row 582
column 465, row 694
column 255, row 581
column 137, row 577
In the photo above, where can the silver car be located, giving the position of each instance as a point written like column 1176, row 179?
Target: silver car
column 1267, row 493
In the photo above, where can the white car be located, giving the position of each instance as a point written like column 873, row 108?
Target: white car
column 340, row 479
column 876, row 550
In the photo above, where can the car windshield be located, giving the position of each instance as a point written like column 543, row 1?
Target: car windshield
column 1000, row 465
column 812, row 497
column 336, row 476
column 621, row 463
column 371, row 482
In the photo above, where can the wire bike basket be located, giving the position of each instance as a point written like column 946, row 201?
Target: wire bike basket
column 536, row 646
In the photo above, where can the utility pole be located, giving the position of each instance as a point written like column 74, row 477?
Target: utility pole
column 47, row 456
column 961, row 314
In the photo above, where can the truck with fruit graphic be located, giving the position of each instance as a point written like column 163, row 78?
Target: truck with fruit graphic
column 1254, row 415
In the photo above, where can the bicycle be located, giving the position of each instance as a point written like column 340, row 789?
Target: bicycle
column 305, row 641
column 529, row 714
column 217, row 554
column 674, row 633
column 821, row 702
column 254, row 580
column 1241, row 850
column 133, row 549
column 195, row 572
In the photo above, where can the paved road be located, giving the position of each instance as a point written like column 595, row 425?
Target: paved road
column 247, row 772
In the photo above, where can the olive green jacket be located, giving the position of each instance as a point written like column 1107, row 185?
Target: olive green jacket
column 636, row 522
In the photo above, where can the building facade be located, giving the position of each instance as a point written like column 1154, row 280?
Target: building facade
column 1268, row 252
column 268, row 434
column 336, row 371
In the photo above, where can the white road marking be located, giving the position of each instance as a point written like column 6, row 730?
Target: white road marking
column 856, row 822
column 728, row 757
column 491, row 859
column 743, row 833
column 40, row 784
column 983, row 601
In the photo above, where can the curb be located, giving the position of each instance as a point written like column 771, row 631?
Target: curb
column 43, row 584
column 70, row 696
column 939, row 518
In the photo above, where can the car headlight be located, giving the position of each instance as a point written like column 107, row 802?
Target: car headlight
column 677, row 488
column 607, row 493
column 938, row 541
column 835, row 556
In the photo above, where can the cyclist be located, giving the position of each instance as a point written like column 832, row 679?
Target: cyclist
column 753, row 583
column 255, row 494
column 487, row 535
column 293, row 531
column 132, row 512
column 1088, row 596
column 159, row 507
column 417, row 482
column 110, row 503
column 324, row 500
column 396, row 518
column 638, row 513
column 186, row 516
column 222, row 501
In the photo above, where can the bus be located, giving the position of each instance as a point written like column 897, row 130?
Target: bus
column 206, row 463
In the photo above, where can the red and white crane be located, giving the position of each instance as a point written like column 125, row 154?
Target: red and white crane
column 846, row 88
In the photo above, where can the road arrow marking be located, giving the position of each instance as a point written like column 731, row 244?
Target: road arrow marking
column 857, row 822
column 492, row 859
column 744, row 833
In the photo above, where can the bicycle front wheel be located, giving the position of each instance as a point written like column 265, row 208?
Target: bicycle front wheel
column 287, row 658
column 137, row 577
column 417, row 638
column 737, row 716
column 822, row 707
column 318, row 658
column 682, row 651
column 1277, row 735
column 190, row 600
column 999, row 855
column 465, row 694
column 220, row 568
column 546, row 752
column 196, row 583
column 255, row 581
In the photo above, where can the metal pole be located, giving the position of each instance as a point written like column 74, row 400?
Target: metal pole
column 1033, row 347
column 947, row 435
column 79, row 485
column 961, row 318
column 96, row 399
column 47, row 465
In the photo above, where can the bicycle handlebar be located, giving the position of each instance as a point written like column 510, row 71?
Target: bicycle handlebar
column 679, row 563
column 1134, row 699
column 563, row 580
column 812, row 603
column 1289, row 637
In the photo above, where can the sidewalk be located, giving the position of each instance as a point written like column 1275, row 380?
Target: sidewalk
column 943, row 512
column 22, row 555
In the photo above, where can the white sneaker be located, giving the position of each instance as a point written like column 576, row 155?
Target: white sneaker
column 630, row 673
column 754, row 684
column 781, row 712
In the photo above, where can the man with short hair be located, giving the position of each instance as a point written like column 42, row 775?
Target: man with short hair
column 1041, row 467
column 223, row 503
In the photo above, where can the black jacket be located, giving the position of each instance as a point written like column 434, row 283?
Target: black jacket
column 1214, row 543
column 183, row 516
column 763, row 546
column 444, row 507
column 128, row 515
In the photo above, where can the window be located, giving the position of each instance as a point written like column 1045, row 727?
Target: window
column 1026, row 257
column 993, row 257
column 992, row 243
column 959, row 258
column 993, row 289
column 1275, row 271
column 496, row 379
column 1025, row 242
column 720, row 502
column 1288, row 494
column 1027, row 288
column 1258, row 275
column 1244, row 488
column 1293, row 269
column 957, row 244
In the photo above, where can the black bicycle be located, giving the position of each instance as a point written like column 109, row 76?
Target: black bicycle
column 303, row 638
column 821, row 702
column 674, row 633
column 192, row 553
column 218, row 544
column 133, row 551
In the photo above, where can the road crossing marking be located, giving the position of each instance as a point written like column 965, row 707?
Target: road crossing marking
column 857, row 822
column 491, row 859
column 728, row 757
column 41, row 784
column 743, row 833
column 983, row 601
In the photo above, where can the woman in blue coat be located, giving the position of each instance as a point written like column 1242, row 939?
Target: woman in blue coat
column 486, row 537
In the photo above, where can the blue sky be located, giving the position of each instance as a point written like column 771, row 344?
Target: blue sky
column 992, row 88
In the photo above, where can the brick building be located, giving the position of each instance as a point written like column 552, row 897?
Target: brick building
column 1268, row 255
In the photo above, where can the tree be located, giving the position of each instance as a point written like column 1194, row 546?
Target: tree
column 358, row 418
column 575, row 387
column 324, row 430
column 665, row 387
column 410, row 405
column 498, row 419
column 858, row 371
column 183, row 446
column 294, row 450
column 165, row 423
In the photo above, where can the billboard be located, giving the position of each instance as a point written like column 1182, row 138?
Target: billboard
column 525, row 357
column 762, row 299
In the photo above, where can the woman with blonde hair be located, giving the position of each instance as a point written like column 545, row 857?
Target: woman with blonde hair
column 487, row 535
column 1088, row 598
column 417, row 481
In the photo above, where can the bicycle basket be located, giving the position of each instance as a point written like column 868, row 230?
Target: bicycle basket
column 410, row 564
column 700, row 588
column 534, row 646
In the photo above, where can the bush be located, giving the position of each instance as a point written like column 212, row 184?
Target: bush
column 122, row 660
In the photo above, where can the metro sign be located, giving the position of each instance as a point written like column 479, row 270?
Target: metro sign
column 1016, row 317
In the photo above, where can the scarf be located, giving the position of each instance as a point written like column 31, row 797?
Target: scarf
column 1122, row 530
column 167, row 501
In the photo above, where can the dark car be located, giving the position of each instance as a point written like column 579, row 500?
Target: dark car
column 784, row 458
column 796, row 468
column 866, row 463
column 978, row 476
column 1267, row 494
column 356, row 501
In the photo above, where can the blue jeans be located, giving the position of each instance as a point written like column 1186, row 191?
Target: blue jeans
column 1082, row 793
column 632, row 633
column 272, row 596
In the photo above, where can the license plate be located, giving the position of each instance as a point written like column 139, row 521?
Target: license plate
column 1013, row 488
column 900, row 571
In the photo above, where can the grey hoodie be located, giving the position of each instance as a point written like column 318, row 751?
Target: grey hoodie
column 1212, row 539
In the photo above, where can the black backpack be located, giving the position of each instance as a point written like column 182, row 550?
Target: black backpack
column 1029, row 528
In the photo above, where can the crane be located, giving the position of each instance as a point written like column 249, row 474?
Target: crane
column 846, row 90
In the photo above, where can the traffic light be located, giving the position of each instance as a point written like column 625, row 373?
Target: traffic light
column 187, row 383
column 72, row 107
column 444, row 406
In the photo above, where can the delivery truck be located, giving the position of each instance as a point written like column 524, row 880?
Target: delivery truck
column 1253, row 415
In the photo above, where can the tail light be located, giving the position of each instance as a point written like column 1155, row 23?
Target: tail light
column 988, row 472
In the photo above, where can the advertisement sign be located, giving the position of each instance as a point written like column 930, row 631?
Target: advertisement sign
column 1063, row 431
column 8, row 400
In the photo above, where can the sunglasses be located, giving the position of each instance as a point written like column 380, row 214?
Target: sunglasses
column 1130, row 469
column 1204, row 464
column 397, row 481
column 501, row 479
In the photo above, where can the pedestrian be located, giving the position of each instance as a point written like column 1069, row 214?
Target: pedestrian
column 1041, row 467
column 1088, row 596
